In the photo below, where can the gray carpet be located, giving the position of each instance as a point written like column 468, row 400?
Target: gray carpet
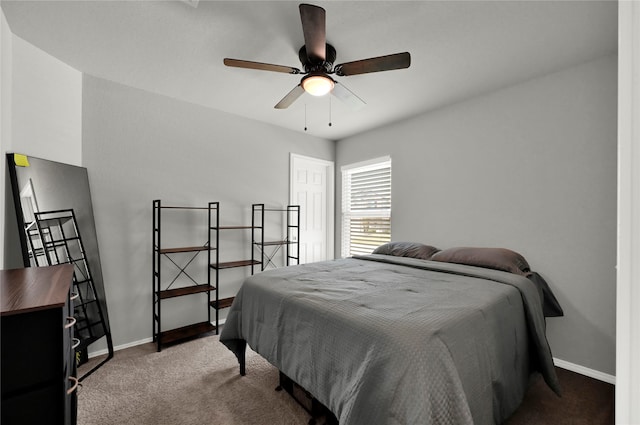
column 196, row 382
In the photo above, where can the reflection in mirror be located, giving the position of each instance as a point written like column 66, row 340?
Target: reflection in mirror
column 28, row 201
column 56, row 225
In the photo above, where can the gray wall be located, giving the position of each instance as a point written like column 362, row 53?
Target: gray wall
column 532, row 168
column 140, row 146
column 41, row 116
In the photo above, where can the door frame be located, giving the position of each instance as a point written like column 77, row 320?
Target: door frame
column 330, row 190
column 627, row 409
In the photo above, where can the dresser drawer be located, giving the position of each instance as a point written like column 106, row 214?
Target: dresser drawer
column 42, row 406
column 32, row 350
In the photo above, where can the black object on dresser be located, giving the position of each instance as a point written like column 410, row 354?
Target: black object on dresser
column 38, row 362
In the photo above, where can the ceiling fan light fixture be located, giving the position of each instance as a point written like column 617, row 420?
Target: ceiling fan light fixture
column 317, row 84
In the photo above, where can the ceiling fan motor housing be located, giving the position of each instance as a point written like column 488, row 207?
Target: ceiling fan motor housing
column 325, row 66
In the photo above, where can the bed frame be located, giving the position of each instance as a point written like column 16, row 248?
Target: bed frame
column 309, row 403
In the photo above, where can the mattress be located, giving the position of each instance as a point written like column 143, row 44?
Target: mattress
column 394, row 340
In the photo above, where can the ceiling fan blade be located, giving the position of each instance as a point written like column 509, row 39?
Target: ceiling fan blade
column 291, row 97
column 381, row 63
column 314, row 29
column 237, row 63
column 347, row 96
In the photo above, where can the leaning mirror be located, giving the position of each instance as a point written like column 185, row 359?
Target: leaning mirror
column 56, row 225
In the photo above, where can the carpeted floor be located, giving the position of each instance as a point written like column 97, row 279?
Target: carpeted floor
column 584, row 401
column 194, row 383
column 197, row 382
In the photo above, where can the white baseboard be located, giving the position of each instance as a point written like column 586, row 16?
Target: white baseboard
column 591, row 373
column 120, row 347
column 97, row 353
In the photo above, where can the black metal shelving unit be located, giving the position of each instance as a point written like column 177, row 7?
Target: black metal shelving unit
column 54, row 238
column 163, row 288
column 268, row 244
column 216, row 265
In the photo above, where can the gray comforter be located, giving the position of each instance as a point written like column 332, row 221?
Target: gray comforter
column 389, row 340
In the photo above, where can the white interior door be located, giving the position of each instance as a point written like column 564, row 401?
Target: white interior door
column 312, row 187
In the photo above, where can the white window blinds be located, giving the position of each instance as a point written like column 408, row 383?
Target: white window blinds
column 366, row 206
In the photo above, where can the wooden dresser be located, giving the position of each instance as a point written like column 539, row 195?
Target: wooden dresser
column 38, row 361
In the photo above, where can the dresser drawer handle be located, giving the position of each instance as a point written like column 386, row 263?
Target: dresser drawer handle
column 75, row 385
column 76, row 342
column 70, row 322
column 74, row 295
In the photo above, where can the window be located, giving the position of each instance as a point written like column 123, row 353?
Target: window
column 366, row 206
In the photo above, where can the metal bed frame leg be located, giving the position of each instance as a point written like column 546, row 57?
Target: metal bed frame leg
column 241, row 357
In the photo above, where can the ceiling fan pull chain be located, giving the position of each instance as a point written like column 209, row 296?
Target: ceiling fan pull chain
column 329, row 111
column 305, row 117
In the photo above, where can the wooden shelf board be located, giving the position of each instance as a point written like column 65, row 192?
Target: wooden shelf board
column 183, row 208
column 232, row 264
column 259, row 207
column 184, row 249
column 222, row 303
column 186, row 332
column 231, row 227
column 187, row 290
column 273, row 243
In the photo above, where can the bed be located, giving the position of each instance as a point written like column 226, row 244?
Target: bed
column 399, row 339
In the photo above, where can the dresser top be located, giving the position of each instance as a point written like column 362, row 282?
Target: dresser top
column 34, row 288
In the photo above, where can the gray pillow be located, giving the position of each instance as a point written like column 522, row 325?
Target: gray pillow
column 407, row 249
column 491, row 258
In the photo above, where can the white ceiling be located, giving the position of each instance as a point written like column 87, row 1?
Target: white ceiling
column 458, row 50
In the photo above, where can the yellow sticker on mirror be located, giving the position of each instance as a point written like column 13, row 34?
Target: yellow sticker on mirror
column 21, row 160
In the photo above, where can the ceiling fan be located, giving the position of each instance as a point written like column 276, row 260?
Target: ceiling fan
column 317, row 58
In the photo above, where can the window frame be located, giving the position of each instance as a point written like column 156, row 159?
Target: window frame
column 347, row 215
